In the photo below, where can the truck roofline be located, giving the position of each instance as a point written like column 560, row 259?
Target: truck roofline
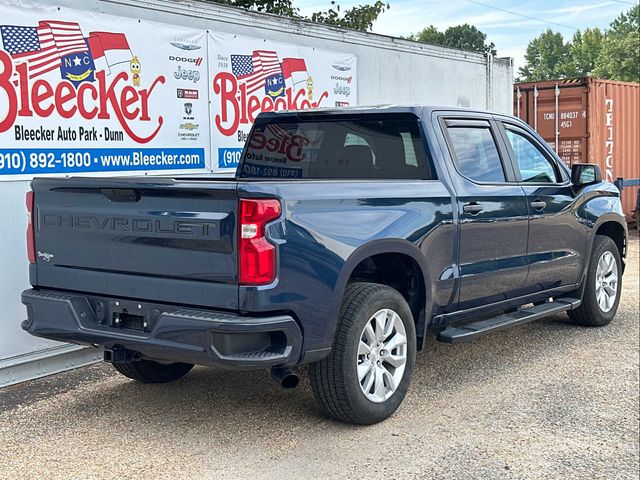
column 416, row 109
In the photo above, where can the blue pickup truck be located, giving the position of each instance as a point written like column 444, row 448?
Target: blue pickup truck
column 346, row 238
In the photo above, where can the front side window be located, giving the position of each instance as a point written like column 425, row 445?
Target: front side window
column 534, row 166
column 476, row 154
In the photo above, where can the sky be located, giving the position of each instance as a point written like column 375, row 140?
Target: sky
column 510, row 33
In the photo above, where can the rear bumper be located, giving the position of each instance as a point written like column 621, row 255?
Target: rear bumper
column 164, row 332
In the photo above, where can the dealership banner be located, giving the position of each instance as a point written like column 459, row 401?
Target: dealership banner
column 84, row 92
column 251, row 75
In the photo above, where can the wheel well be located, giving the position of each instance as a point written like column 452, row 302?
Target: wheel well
column 614, row 231
column 398, row 271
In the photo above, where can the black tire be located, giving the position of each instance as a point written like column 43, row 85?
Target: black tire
column 148, row 371
column 589, row 313
column 334, row 380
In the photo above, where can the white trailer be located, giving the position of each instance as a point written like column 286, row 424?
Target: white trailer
column 389, row 70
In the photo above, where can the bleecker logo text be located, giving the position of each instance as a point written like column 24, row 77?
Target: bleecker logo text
column 238, row 107
column 291, row 146
column 89, row 101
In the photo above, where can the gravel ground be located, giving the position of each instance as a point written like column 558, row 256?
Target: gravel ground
column 545, row 400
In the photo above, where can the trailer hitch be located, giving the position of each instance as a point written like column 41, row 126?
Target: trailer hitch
column 120, row 355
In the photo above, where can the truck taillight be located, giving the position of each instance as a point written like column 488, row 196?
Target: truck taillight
column 31, row 241
column 256, row 256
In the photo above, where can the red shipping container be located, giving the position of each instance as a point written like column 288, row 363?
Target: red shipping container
column 588, row 120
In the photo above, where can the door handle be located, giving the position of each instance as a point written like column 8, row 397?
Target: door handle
column 538, row 205
column 472, row 208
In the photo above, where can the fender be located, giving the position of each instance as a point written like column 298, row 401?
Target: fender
column 594, row 215
column 607, row 218
column 376, row 247
column 399, row 246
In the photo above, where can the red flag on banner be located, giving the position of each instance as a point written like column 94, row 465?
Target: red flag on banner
column 109, row 48
column 292, row 65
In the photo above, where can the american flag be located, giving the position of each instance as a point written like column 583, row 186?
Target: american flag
column 68, row 37
column 42, row 47
column 254, row 69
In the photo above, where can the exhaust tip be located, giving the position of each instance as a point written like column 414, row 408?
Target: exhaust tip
column 285, row 377
column 290, row 381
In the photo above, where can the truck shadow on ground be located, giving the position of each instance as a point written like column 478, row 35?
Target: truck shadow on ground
column 215, row 396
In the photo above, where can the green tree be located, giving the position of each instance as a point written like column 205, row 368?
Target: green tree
column 277, row 7
column 466, row 37
column 430, row 35
column 546, row 58
column 360, row 17
column 584, row 51
column 613, row 54
column 620, row 55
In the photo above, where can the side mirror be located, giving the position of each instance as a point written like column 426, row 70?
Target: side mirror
column 585, row 174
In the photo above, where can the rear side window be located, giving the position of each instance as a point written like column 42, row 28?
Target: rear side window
column 385, row 146
column 476, row 154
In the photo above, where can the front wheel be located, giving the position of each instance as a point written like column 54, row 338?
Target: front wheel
column 604, row 283
column 367, row 374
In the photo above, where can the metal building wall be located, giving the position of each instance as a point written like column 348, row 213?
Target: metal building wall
column 390, row 70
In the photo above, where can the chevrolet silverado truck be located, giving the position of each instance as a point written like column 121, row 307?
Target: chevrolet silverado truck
column 346, row 238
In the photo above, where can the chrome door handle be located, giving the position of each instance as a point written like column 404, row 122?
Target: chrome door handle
column 472, row 208
column 538, row 205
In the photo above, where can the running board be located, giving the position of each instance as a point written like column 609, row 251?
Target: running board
column 466, row 332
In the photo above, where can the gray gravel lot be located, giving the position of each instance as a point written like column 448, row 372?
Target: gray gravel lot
column 545, row 400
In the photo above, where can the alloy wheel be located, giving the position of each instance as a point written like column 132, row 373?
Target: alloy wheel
column 606, row 281
column 382, row 355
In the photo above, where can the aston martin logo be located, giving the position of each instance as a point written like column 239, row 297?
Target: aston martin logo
column 185, row 46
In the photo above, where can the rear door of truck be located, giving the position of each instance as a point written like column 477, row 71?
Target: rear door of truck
column 162, row 239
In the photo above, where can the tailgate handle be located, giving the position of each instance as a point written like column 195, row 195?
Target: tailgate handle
column 121, row 194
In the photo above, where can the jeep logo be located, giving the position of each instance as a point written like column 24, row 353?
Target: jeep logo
column 183, row 74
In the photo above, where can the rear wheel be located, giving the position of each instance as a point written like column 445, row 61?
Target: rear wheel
column 148, row 371
column 604, row 282
column 368, row 372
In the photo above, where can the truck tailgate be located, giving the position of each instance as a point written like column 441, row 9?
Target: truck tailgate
column 163, row 239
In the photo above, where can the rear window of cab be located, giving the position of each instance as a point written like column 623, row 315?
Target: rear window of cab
column 384, row 146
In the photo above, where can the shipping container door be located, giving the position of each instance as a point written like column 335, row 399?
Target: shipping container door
column 566, row 115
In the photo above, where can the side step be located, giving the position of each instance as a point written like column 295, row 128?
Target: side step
column 466, row 332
